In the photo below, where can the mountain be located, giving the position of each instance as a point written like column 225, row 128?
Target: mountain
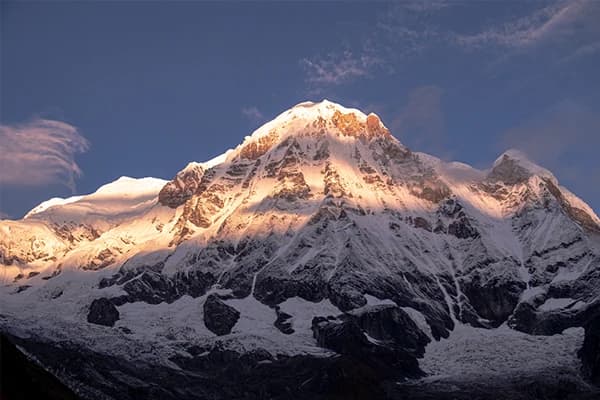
column 321, row 257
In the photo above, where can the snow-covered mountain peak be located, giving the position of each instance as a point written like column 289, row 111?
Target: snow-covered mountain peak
column 294, row 148
column 324, row 107
column 319, row 212
column 310, row 119
column 513, row 167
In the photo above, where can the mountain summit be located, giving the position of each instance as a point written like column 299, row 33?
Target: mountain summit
column 319, row 234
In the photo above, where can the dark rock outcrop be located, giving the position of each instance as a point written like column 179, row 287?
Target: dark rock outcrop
column 462, row 229
column 391, row 324
column 23, row 379
column 153, row 287
column 529, row 319
column 590, row 351
column 219, row 318
column 341, row 336
column 509, row 171
column 282, row 322
column 103, row 312
column 344, row 335
column 493, row 299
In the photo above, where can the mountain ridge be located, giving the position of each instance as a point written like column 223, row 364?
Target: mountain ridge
column 320, row 233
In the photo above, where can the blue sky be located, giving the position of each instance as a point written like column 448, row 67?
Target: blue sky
column 92, row 91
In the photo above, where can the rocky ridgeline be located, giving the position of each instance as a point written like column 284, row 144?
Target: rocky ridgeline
column 323, row 204
column 484, row 290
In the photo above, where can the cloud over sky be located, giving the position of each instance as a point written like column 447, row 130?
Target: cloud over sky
column 252, row 113
column 40, row 152
column 551, row 24
column 411, row 28
column 336, row 68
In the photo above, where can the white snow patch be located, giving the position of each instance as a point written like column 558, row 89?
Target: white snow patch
column 374, row 301
column 472, row 352
column 418, row 319
column 303, row 311
column 531, row 292
column 556, row 304
column 126, row 186
column 179, row 320
column 256, row 318
column 55, row 201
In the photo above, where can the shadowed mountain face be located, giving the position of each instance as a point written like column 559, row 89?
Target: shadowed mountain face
column 321, row 243
column 23, row 379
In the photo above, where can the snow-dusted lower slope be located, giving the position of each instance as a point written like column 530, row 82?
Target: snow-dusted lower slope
column 319, row 229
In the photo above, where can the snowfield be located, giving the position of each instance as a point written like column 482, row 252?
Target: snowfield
column 482, row 354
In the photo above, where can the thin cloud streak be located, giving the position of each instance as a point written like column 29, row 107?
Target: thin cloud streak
column 252, row 113
column 338, row 68
column 552, row 23
column 40, row 152
column 410, row 28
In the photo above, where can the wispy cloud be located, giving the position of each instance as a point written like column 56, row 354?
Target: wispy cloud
column 252, row 113
column 554, row 23
column 399, row 32
column 40, row 152
column 407, row 29
column 337, row 68
column 583, row 51
column 424, row 5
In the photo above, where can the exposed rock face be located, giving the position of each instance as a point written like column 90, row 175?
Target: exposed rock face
column 182, row 187
column 590, row 351
column 102, row 260
column 577, row 214
column 375, row 127
column 532, row 317
column 255, row 149
column 103, row 312
column 344, row 336
column 378, row 336
column 154, row 288
column 392, row 325
column 219, row 318
column 348, row 124
column 493, row 299
column 509, row 171
column 282, row 322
